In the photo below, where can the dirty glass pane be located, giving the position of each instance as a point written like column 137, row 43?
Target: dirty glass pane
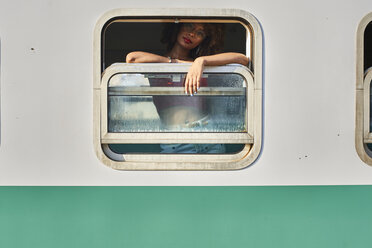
column 156, row 149
column 152, row 102
column 369, row 145
column 370, row 108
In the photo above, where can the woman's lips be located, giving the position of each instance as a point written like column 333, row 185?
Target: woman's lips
column 187, row 41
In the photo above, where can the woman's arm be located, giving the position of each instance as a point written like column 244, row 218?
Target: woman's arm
column 192, row 82
column 144, row 57
column 224, row 59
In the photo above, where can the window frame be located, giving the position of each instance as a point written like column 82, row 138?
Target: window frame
column 239, row 160
column 363, row 136
column 181, row 137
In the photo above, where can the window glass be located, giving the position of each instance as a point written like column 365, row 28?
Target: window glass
column 146, row 103
column 120, row 37
column 370, row 108
column 367, row 53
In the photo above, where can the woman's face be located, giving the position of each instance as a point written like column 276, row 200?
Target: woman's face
column 191, row 35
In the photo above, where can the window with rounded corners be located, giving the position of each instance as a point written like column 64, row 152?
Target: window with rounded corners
column 127, row 129
column 363, row 130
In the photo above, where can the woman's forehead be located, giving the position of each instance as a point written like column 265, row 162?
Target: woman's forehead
column 198, row 25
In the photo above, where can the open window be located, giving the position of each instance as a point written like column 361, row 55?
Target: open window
column 128, row 125
column 363, row 130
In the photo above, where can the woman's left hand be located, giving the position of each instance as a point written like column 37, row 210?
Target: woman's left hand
column 193, row 77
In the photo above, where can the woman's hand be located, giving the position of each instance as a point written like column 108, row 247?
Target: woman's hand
column 193, row 77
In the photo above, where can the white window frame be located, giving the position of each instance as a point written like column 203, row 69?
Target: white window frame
column 363, row 136
column 252, row 138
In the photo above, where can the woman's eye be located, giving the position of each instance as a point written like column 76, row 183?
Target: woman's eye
column 200, row 34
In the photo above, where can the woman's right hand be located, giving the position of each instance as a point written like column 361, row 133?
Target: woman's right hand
column 193, row 77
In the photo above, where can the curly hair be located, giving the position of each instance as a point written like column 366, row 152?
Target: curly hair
column 212, row 43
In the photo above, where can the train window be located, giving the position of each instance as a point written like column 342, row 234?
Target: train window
column 142, row 118
column 363, row 130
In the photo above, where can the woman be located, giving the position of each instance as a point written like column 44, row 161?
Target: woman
column 195, row 43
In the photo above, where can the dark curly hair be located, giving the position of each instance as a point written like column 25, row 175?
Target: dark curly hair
column 212, row 43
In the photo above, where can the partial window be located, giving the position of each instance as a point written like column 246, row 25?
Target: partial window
column 137, row 107
column 363, row 129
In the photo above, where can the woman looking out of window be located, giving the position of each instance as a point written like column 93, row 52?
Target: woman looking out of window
column 198, row 44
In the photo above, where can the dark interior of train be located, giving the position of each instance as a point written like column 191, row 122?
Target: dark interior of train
column 121, row 38
column 368, row 46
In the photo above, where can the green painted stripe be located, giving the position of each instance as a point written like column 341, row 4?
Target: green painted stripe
column 312, row 216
